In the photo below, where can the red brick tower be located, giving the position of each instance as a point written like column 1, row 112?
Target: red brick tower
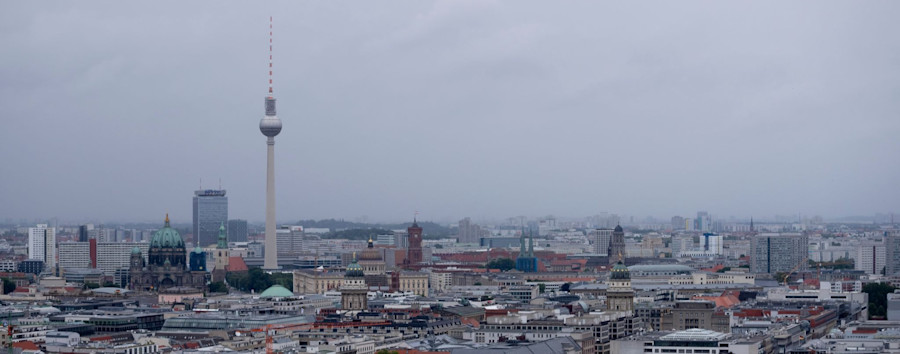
column 414, row 252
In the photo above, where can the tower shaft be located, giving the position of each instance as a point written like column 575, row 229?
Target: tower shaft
column 271, row 255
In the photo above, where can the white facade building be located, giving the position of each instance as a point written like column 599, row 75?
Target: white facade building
column 74, row 255
column 42, row 245
column 117, row 255
column 870, row 257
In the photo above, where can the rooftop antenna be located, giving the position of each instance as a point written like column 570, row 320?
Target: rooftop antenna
column 201, row 183
column 220, row 183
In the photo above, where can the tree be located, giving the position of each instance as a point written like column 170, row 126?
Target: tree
column 878, row 299
column 91, row 286
column 218, row 287
column 565, row 287
column 8, row 286
column 109, row 284
column 779, row 277
column 541, row 287
column 503, row 264
column 723, row 270
column 385, row 351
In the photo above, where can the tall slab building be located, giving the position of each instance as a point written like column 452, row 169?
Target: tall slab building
column 210, row 212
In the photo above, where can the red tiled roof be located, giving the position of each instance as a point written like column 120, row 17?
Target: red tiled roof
column 26, row 345
column 236, row 264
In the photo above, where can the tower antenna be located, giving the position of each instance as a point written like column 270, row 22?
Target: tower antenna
column 270, row 57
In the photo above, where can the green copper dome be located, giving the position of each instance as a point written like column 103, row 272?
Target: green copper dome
column 276, row 291
column 619, row 272
column 166, row 237
column 197, row 249
column 136, row 250
column 354, row 269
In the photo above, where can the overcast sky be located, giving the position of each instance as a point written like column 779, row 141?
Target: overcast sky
column 113, row 111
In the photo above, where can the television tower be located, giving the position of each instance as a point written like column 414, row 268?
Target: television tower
column 270, row 126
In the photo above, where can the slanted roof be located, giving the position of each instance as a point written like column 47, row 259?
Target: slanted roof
column 236, row 264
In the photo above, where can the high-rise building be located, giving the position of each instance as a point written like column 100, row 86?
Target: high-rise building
column 870, row 257
column 773, row 253
column 469, row 232
column 892, row 252
column 600, row 238
column 270, row 126
column 681, row 243
column 677, row 223
column 42, row 245
column 702, row 222
column 108, row 257
column 210, row 211
column 74, row 255
column 84, row 232
column 290, row 240
column 712, row 243
column 237, row 230
column 617, row 245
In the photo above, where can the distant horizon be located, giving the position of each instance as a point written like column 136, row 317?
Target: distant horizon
column 857, row 219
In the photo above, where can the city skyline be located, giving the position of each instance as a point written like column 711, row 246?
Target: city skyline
column 520, row 114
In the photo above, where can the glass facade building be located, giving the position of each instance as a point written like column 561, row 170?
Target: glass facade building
column 210, row 212
column 237, row 230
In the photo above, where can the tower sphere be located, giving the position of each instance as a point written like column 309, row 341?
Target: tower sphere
column 270, row 126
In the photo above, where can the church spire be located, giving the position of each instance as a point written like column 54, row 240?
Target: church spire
column 223, row 239
column 531, row 244
column 522, row 244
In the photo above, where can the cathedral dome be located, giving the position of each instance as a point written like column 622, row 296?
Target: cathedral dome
column 354, row 269
column 619, row 272
column 166, row 237
column 136, row 250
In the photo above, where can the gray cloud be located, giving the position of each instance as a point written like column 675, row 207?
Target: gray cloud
column 114, row 111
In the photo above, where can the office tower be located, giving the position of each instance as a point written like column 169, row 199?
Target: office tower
column 870, row 257
column 210, row 211
column 617, row 246
column 892, row 252
column 773, row 253
column 237, row 230
column 414, row 239
column 270, row 126
column 681, row 243
column 42, row 245
column 689, row 224
column 84, row 232
column 600, row 238
column 702, row 223
column 469, row 232
column 677, row 223
column 712, row 243
column 289, row 241
column 74, row 255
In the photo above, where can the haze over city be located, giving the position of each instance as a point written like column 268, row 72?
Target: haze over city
column 117, row 110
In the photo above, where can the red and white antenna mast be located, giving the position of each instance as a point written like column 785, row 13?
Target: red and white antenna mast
column 270, row 56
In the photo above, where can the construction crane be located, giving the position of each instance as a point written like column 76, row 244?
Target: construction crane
column 788, row 275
